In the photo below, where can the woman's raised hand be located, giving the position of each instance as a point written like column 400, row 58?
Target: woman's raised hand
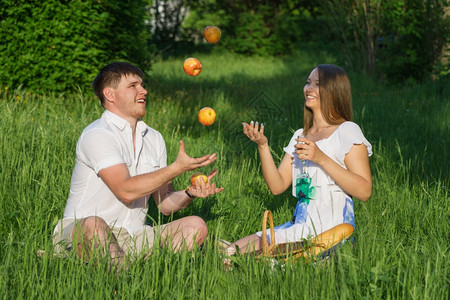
column 255, row 133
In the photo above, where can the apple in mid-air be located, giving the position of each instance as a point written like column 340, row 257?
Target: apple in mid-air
column 207, row 116
column 212, row 34
column 192, row 66
column 195, row 178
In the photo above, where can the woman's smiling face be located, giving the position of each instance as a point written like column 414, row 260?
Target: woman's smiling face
column 311, row 90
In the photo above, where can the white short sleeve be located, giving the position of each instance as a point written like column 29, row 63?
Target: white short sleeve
column 350, row 134
column 290, row 148
column 98, row 149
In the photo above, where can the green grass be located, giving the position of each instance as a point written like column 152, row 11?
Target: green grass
column 402, row 240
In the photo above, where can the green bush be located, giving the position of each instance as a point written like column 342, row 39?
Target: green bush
column 415, row 34
column 60, row 45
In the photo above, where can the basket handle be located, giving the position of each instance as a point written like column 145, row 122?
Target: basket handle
column 265, row 246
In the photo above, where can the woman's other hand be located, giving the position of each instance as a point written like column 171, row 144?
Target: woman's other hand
column 308, row 150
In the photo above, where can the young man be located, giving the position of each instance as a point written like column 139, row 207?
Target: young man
column 120, row 163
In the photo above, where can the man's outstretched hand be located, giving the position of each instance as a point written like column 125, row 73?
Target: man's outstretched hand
column 185, row 163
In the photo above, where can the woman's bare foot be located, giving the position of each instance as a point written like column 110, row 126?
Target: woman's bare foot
column 230, row 251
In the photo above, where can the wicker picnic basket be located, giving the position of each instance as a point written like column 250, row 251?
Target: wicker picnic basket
column 318, row 245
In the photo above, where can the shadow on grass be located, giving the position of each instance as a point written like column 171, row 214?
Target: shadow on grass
column 410, row 124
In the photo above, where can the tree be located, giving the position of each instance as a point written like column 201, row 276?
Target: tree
column 398, row 39
column 357, row 24
column 167, row 18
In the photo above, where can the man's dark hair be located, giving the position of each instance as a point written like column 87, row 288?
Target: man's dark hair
column 110, row 75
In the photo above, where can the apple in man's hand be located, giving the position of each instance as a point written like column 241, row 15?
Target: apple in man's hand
column 192, row 66
column 212, row 34
column 195, row 178
column 207, row 116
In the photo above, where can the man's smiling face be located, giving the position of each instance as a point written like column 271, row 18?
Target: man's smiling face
column 128, row 99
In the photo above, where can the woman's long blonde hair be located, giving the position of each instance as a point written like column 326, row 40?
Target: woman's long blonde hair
column 335, row 97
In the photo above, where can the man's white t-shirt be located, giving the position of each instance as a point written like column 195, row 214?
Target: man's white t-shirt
column 104, row 143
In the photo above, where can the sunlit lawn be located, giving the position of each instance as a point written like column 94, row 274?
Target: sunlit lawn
column 401, row 242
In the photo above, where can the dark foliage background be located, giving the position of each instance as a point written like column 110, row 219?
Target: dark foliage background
column 59, row 46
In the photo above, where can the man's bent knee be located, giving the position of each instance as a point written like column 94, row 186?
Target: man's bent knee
column 198, row 228
column 187, row 230
column 89, row 232
column 92, row 225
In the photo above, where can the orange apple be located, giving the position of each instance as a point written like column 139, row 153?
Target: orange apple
column 192, row 66
column 207, row 116
column 195, row 178
column 212, row 34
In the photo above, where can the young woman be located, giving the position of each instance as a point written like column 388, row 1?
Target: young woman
column 326, row 162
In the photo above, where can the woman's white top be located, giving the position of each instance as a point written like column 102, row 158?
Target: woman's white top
column 328, row 204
